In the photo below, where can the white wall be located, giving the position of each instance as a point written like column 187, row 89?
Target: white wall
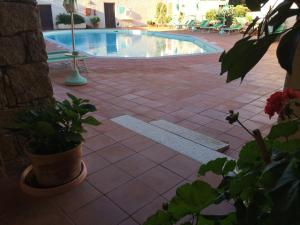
column 140, row 11
column 195, row 8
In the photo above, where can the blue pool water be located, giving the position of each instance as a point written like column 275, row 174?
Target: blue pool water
column 131, row 43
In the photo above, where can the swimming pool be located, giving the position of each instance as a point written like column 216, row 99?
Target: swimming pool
column 131, row 43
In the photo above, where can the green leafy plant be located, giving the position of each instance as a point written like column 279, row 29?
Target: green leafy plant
column 251, row 48
column 57, row 127
column 211, row 14
column 240, row 11
column 263, row 184
column 63, row 18
column 95, row 20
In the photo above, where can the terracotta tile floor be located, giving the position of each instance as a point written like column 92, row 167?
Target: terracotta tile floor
column 130, row 176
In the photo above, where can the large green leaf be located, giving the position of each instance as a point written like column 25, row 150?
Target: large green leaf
column 91, row 121
column 191, row 199
column 220, row 166
column 250, row 156
column 159, row 218
column 244, row 55
column 255, row 5
column 43, row 128
column 283, row 129
column 215, row 166
column 287, row 48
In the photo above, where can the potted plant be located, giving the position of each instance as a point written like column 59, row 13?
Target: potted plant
column 95, row 21
column 53, row 135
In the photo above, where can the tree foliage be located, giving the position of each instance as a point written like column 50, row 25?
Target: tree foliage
column 249, row 50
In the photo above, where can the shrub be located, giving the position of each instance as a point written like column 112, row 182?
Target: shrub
column 64, row 18
column 94, row 20
column 211, row 14
column 240, row 11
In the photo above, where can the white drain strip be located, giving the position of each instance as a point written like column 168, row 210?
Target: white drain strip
column 173, row 141
column 201, row 139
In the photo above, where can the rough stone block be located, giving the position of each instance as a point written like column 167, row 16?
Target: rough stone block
column 7, row 97
column 26, row 18
column 35, row 46
column 30, row 82
column 14, row 50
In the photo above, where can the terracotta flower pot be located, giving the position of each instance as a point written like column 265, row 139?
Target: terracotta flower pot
column 57, row 169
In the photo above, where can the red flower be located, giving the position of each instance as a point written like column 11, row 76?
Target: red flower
column 277, row 101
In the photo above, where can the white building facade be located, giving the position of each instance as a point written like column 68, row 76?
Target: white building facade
column 124, row 12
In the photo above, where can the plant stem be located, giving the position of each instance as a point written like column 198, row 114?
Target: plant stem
column 245, row 128
column 262, row 146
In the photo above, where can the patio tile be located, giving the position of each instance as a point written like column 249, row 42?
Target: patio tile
column 215, row 114
column 120, row 134
column 98, row 142
column 189, row 125
column 116, row 152
column 135, row 165
column 129, row 221
column 219, row 125
column 106, row 126
column 108, row 179
column 132, row 196
column 129, row 96
column 142, row 215
column 94, row 163
column 210, row 132
column 182, row 165
column 183, row 114
column 160, row 179
column 234, row 142
column 76, row 198
column 138, row 143
column 202, row 120
column 101, row 212
column 239, row 132
column 158, row 153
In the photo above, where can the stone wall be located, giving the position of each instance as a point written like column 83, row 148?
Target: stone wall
column 24, row 80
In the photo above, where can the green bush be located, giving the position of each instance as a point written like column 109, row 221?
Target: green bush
column 64, row 18
column 211, row 14
column 240, row 11
column 94, row 20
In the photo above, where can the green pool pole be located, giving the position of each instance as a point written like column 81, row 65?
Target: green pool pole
column 75, row 78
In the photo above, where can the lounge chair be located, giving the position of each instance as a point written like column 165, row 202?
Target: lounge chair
column 65, row 56
column 191, row 25
column 215, row 27
column 203, row 24
column 233, row 28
